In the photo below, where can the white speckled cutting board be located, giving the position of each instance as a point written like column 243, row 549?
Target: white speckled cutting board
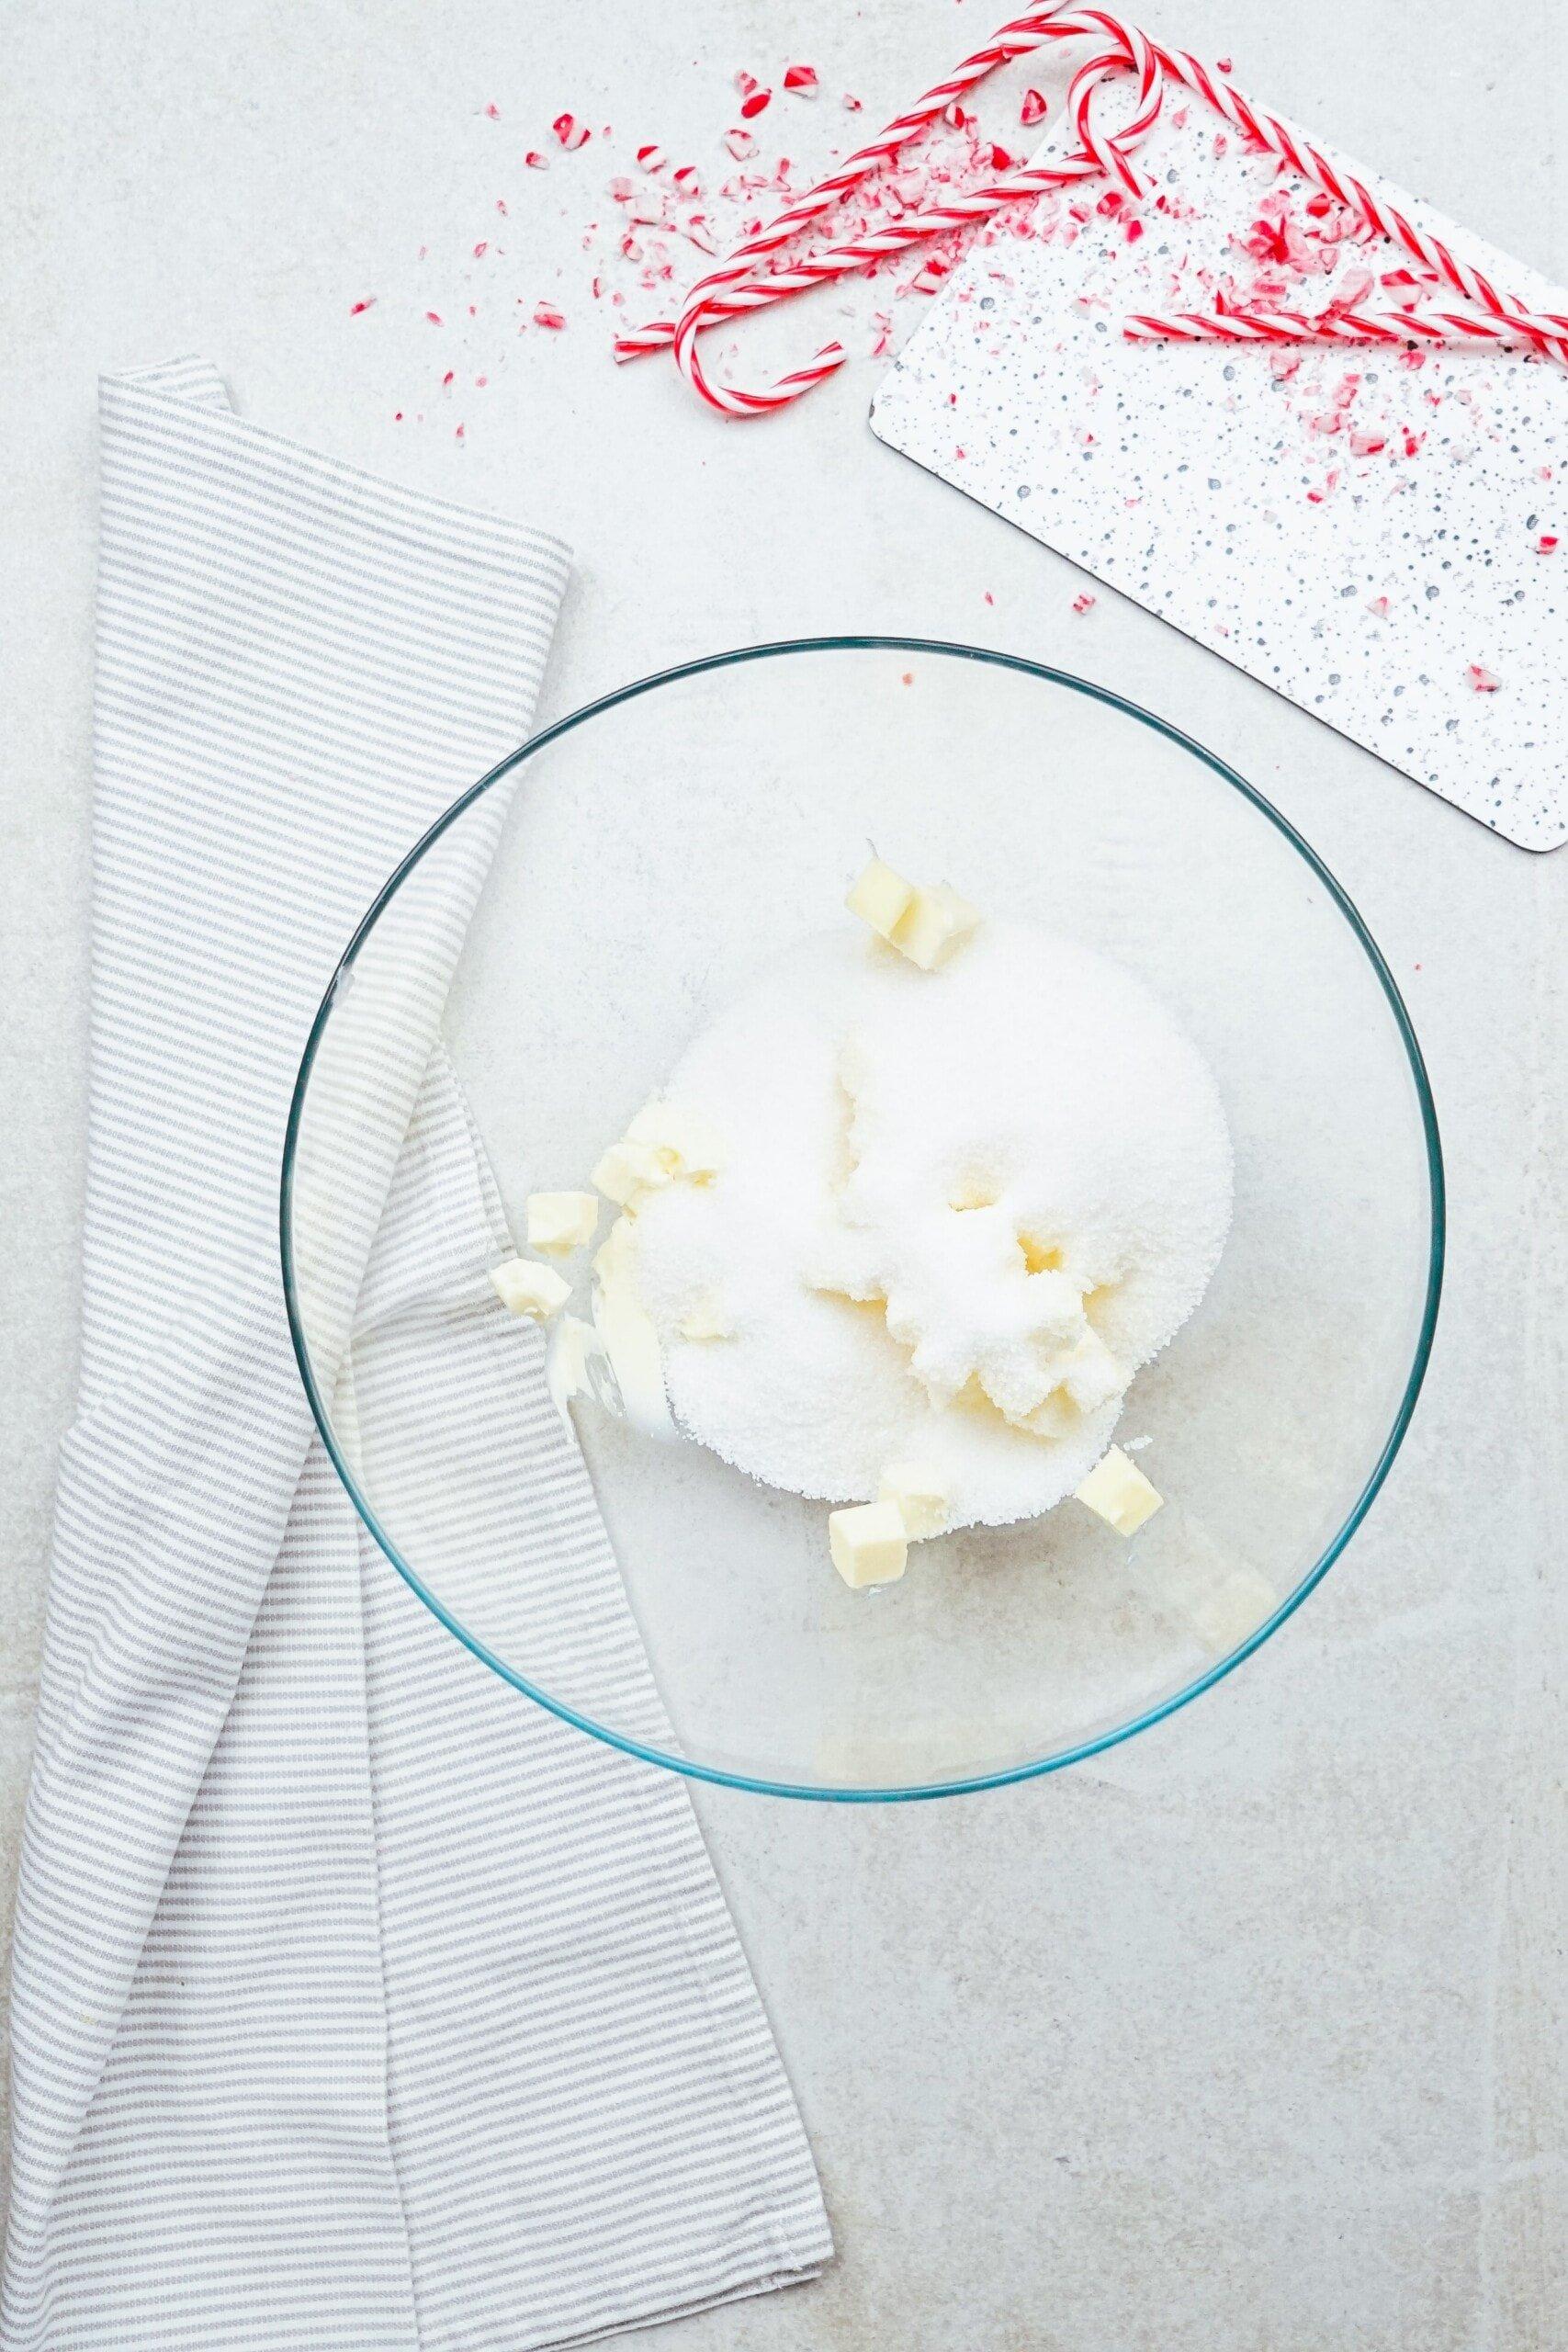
column 1370, row 538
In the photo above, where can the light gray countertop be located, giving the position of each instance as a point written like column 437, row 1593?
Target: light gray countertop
column 1248, row 2037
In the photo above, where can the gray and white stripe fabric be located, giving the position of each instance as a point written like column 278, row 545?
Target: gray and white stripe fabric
column 357, row 2002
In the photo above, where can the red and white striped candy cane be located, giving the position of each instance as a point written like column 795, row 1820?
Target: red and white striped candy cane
column 1541, row 332
column 736, row 287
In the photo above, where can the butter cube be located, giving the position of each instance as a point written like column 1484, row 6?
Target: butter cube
column 530, row 1289
column 560, row 1221
column 572, row 1345
column 629, row 1170
column 881, row 898
column 706, row 1320
column 614, row 1255
column 868, row 1544
column 1117, row 1490
column 1091, row 1374
column 682, row 1141
column 920, row 1495
column 631, row 1343
column 932, row 926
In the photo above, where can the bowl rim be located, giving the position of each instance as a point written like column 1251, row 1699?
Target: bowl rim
column 1077, row 1753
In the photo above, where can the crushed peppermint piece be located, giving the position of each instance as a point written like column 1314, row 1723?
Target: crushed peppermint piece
column 1033, row 111
column 851, row 104
column 684, row 179
column 434, row 318
column 740, row 144
column 650, row 159
column 546, row 315
column 753, row 103
column 801, row 80
column 1084, row 602
column 356, row 308
column 493, row 111
column 929, row 275
column 1379, row 608
column 572, row 133
column 536, row 162
column 1546, row 543
column 1481, row 680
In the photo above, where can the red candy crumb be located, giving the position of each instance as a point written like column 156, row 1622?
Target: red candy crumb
column 801, row 80
column 1379, row 608
column 546, row 315
column 1033, row 111
column 434, row 317
column 356, row 308
column 740, row 144
column 1481, row 680
column 493, row 111
column 1546, row 543
column 1084, row 603
column 572, row 133
column 536, row 162
column 651, row 159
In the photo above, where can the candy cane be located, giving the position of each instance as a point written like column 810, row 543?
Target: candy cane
column 1540, row 331
column 736, row 288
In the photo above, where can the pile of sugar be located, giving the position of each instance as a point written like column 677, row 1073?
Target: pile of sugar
column 939, row 1190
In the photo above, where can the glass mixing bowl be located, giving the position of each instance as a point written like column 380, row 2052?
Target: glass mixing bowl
column 554, row 941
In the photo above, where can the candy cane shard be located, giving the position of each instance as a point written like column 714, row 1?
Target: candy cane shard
column 735, row 288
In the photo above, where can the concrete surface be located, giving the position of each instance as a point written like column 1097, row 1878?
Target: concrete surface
column 1247, row 2039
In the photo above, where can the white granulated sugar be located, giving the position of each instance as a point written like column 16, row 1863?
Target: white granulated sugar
column 957, row 1211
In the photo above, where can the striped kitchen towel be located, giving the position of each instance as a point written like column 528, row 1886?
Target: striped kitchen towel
column 359, row 2002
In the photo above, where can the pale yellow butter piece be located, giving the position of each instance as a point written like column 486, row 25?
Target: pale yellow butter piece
column 932, row 926
column 626, row 1333
column 683, row 1141
column 530, row 1289
column 706, row 1320
column 920, row 1495
column 1118, row 1492
column 1091, row 1374
column 560, row 1221
column 613, row 1253
column 629, row 1170
column 881, row 898
column 868, row 1544
column 573, row 1343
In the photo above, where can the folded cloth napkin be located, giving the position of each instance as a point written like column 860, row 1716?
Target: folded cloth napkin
column 357, row 2000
